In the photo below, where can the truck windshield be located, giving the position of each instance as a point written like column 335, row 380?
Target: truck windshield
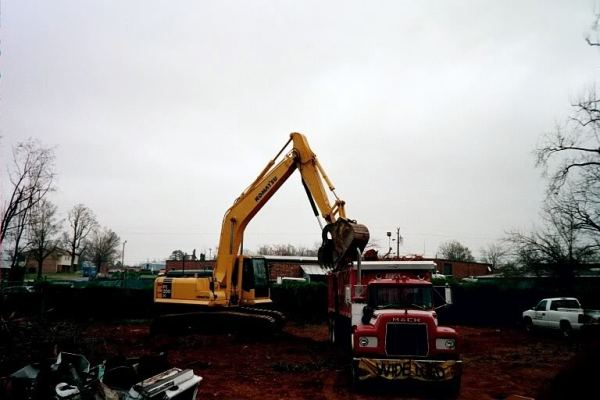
column 418, row 297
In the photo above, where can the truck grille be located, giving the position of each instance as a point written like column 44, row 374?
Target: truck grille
column 406, row 339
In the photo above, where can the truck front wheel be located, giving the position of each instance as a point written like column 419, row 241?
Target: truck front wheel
column 528, row 323
column 357, row 384
column 453, row 388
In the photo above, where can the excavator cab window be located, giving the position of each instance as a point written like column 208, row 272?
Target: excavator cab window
column 255, row 276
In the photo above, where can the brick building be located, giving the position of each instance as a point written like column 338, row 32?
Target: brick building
column 58, row 261
column 304, row 267
column 460, row 269
column 189, row 264
column 295, row 267
column 298, row 267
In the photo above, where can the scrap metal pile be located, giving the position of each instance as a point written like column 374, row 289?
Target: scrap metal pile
column 71, row 377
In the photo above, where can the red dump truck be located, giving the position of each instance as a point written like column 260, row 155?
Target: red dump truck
column 383, row 312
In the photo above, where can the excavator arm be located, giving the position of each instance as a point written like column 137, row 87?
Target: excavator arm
column 341, row 236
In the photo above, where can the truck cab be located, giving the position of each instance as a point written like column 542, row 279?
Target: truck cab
column 383, row 313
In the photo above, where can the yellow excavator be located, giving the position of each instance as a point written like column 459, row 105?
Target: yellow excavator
column 238, row 286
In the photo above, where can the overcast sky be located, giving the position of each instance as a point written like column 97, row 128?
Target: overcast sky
column 424, row 114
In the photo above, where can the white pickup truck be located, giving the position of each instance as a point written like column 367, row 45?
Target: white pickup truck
column 560, row 313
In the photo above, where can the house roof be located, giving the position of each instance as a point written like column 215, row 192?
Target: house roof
column 589, row 273
column 292, row 259
column 397, row 265
column 312, row 269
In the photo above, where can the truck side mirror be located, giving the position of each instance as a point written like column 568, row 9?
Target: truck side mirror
column 367, row 315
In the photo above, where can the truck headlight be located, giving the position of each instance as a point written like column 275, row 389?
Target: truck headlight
column 367, row 341
column 445, row 344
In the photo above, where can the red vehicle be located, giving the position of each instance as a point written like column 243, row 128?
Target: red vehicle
column 383, row 312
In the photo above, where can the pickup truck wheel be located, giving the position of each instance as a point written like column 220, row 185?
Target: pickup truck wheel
column 565, row 329
column 528, row 323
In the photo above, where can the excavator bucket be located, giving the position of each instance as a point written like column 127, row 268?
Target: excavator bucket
column 340, row 241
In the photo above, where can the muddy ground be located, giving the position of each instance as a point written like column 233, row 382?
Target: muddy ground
column 299, row 363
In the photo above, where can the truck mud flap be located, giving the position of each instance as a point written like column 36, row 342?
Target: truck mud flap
column 421, row 370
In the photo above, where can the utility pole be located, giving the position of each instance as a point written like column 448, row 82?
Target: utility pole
column 398, row 240
column 123, row 255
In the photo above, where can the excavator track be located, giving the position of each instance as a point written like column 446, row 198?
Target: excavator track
column 278, row 316
column 240, row 320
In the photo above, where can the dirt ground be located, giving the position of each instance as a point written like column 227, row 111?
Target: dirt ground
column 299, row 363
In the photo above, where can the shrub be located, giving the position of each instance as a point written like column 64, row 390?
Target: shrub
column 302, row 301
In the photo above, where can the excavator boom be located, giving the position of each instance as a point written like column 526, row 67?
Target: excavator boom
column 345, row 234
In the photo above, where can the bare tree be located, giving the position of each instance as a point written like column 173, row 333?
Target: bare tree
column 455, row 251
column 286, row 250
column 31, row 177
column 493, row 254
column 595, row 28
column 570, row 157
column 15, row 237
column 177, row 255
column 561, row 247
column 43, row 232
column 307, row 252
column 572, row 151
column 103, row 247
column 82, row 222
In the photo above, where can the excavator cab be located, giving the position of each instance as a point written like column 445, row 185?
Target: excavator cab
column 255, row 279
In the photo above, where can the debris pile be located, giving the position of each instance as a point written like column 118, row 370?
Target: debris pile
column 71, row 377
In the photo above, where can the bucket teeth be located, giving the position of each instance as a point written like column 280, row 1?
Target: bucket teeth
column 340, row 241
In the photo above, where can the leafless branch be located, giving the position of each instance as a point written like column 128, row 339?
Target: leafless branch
column 32, row 177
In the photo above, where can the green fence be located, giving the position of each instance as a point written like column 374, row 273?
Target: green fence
column 473, row 304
